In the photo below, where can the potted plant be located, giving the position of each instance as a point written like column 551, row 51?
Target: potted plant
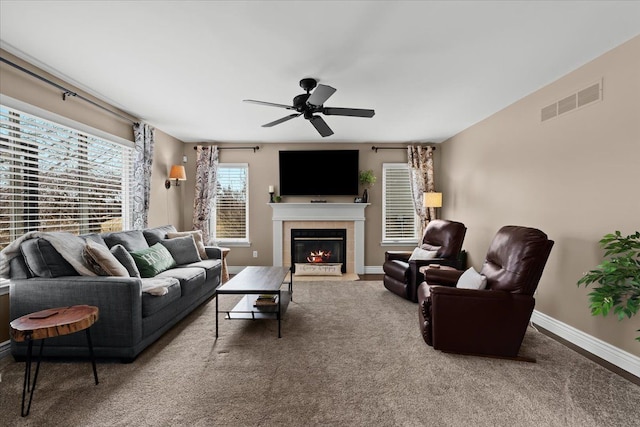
column 618, row 277
column 367, row 179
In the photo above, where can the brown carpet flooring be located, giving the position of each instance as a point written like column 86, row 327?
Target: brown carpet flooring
column 351, row 355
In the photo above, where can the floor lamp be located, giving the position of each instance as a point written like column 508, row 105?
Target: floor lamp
column 433, row 200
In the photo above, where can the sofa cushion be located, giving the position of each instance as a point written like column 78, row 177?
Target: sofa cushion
column 212, row 267
column 153, row 303
column 102, row 262
column 127, row 261
column 43, row 260
column 197, row 237
column 182, row 249
column 154, row 235
column 154, row 260
column 132, row 240
column 191, row 278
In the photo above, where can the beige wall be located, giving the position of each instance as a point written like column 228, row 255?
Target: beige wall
column 263, row 171
column 575, row 177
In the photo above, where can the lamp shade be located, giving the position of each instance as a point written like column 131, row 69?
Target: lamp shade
column 178, row 172
column 432, row 200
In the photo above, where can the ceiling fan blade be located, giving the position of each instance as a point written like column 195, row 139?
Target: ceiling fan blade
column 321, row 126
column 282, row 120
column 269, row 104
column 353, row 112
column 320, row 95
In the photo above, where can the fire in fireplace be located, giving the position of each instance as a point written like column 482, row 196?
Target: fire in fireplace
column 317, row 246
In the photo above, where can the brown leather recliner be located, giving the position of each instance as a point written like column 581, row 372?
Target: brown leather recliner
column 493, row 321
column 402, row 276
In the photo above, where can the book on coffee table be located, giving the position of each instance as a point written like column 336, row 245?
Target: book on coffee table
column 266, row 300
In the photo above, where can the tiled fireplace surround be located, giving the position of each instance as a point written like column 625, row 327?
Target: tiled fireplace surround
column 349, row 216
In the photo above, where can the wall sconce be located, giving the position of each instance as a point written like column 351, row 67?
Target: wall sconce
column 178, row 173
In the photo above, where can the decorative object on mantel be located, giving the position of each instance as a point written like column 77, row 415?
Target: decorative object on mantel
column 277, row 199
column 618, row 277
column 271, row 193
column 367, row 179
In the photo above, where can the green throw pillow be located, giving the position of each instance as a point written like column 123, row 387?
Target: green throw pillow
column 153, row 261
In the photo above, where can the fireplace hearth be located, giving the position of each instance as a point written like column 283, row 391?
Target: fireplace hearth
column 320, row 248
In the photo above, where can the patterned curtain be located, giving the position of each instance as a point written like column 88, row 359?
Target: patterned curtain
column 143, row 134
column 206, row 176
column 420, row 160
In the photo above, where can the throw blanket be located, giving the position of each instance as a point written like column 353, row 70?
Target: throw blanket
column 70, row 248
column 68, row 245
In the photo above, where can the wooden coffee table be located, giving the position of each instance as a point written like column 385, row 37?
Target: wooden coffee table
column 253, row 282
column 53, row 322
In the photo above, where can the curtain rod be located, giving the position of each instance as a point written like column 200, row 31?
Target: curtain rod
column 254, row 148
column 374, row 148
column 65, row 92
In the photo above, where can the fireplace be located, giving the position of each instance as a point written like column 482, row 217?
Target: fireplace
column 319, row 247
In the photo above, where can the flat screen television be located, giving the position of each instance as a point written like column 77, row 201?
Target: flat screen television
column 319, row 173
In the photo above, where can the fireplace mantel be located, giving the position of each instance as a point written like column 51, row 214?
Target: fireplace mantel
column 351, row 212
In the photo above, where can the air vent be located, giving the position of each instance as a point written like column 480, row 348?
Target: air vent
column 577, row 100
column 589, row 95
column 567, row 104
column 549, row 111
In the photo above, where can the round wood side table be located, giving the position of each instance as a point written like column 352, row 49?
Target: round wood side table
column 50, row 323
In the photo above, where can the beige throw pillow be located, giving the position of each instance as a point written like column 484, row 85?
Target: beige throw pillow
column 421, row 254
column 197, row 238
column 102, row 261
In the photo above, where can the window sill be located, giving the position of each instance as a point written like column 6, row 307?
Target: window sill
column 412, row 244
column 4, row 289
column 233, row 244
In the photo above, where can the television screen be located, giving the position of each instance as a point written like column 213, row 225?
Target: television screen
column 319, row 173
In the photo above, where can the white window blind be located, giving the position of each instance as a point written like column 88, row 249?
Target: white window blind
column 56, row 178
column 231, row 203
column 399, row 223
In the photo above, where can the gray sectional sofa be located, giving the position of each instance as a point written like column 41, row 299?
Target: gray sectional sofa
column 134, row 311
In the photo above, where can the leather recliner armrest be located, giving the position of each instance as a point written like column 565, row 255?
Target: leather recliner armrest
column 444, row 276
column 397, row 255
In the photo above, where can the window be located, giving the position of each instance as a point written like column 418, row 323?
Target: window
column 231, row 204
column 399, row 219
column 57, row 178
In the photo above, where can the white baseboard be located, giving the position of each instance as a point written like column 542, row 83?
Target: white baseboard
column 373, row 269
column 5, row 349
column 611, row 354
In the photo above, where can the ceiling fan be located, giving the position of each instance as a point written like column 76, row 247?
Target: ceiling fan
column 309, row 104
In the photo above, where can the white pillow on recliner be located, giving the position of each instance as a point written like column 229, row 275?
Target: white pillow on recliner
column 471, row 279
column 422, row 254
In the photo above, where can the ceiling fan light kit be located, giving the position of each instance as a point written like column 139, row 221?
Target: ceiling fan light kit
column 310, row 104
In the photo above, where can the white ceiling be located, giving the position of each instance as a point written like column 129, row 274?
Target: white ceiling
column 430, row 69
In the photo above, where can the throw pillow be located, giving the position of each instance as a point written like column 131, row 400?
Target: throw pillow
column 102, row 261
column 126, row 260
column 421, row 254
column 471, row 279
column 153, row 261
column 182, row 249
column 197, row 237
